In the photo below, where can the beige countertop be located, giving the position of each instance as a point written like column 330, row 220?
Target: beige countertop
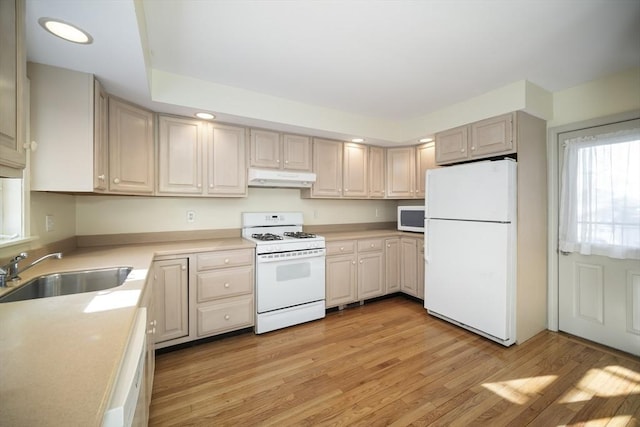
column 59, row 356
column 368, row 234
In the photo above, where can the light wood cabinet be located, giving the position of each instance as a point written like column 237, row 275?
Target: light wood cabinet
column 485, row 138
column 401, row 173
column 327, row 165
column 183, row 166
column 148, row 302
column 273, row 150
column 224, row 283
column 371, row 271
column 12, row 76
column 131, row 149
column 226, row 161
column 409, row 266
column 171, row 302
column 392, row 264
column 60, row 97
column 341, row 283
column 376, row 172
column 421, row 267
column 354, row 170
column 425, row 160
column 180, row 144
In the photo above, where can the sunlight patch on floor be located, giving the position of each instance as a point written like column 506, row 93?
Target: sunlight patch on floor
column 521, row 390
column 610, row 381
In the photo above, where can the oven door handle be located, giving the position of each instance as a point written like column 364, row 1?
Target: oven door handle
column 291, row 256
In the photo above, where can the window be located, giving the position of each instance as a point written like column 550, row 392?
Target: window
column 600, row 195
column 11, row 204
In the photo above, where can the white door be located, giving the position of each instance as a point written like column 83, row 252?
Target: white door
column 599, row 256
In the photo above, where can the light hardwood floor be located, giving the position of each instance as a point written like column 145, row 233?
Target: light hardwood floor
column 389, row 363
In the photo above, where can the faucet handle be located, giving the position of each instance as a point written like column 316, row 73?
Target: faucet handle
column 20, row 256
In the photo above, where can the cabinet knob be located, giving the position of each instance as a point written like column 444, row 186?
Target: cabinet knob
column 341, row 248
column 462, row 150
column 226, row 285
column 278, row 161
column 101, row 177
column 346, row 189
column 373, row 246
column 227, row 317
column 360, row 261
column 210, row 185
column 353, row 262
column 226, row 260
column 184, row 267
column 388, row 245
column 116, row 180
column 473, row 148
column 199, row 185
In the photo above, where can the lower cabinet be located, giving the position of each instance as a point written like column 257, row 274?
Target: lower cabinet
column 412, row 266
column 204, row 294
column 170, row 284
column 361, row 269
column 148, row 302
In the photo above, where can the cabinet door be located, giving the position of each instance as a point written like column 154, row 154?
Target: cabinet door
column 12, row 77
column 401, row 172
column 354, row 173
column 492, row 136
column 148, row 302
column 371, row 277
column 408, row 266
column 100, row 138
column 327, row 164
column 421, row 267
column 376, row 172
column 131, row 157
column 227, row 169
column 425, row 159
column 170, row 292
column 451, row 145
column 180, row 143
column 296, row 152
column 265, row 149
column 392, row 265
column 341, row 286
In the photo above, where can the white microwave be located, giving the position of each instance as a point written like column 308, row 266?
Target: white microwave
column 411, row 218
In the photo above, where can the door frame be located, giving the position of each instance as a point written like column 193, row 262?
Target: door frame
column 553, row 189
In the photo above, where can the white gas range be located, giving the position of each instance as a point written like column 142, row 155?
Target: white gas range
column 290, row 275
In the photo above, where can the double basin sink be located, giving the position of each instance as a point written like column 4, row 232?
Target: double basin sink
column 76, row 282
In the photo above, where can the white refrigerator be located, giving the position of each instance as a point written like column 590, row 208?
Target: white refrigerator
column 470, row 247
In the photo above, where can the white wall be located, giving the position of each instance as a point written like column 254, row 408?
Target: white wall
column 120, row 214
column 63, row 209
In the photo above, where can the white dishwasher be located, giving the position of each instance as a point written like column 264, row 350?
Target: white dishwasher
column 127, row 402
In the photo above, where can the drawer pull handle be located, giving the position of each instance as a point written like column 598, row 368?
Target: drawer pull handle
column 226, row 285
column 227, row 317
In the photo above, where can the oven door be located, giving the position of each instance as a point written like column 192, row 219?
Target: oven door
column 287, row 279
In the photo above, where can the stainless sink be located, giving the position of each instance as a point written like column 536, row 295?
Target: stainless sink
column 75, row 282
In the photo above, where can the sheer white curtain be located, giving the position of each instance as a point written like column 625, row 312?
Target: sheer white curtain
column 600, row 195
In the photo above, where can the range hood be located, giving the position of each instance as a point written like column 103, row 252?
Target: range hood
column 277, row 178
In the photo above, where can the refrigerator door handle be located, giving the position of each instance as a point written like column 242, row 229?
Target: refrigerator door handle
column 426, row 240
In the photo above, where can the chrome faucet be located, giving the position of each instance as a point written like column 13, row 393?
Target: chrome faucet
column 11, row 270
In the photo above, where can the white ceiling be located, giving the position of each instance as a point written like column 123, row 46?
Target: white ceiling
column 387, row 60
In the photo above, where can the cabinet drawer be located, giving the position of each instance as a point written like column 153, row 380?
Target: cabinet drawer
column 341, row 248
column 224, row 283
column 370, row 245
column 211, row 260
column 226, row 315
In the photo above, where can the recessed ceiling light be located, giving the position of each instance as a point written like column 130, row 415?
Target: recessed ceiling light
column 205, row 116
column 426, row 140
column 65, row 31
column 357, row 140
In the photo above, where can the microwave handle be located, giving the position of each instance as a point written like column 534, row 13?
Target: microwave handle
column 426, row 241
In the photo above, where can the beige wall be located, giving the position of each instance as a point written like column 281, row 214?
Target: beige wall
column 119, row 214
column 613, row 94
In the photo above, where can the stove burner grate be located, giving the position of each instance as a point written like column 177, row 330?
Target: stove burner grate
column 266, row 236
column 299, row 235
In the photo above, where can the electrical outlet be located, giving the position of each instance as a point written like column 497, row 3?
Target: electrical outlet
column 377, row 213
column 49, row 223
column 191, row 216
column 315, row 214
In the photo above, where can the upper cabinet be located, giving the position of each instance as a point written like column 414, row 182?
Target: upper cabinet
column 12, row 78
column 131, row 159
column 486, row 138
column 273, row 150
column 197, row 158
column 376, row 172
column 401, row 173
column 425, row 160
column 110, row 141
column 341, row 170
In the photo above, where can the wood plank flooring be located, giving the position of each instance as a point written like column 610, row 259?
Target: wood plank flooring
column 389, row 363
